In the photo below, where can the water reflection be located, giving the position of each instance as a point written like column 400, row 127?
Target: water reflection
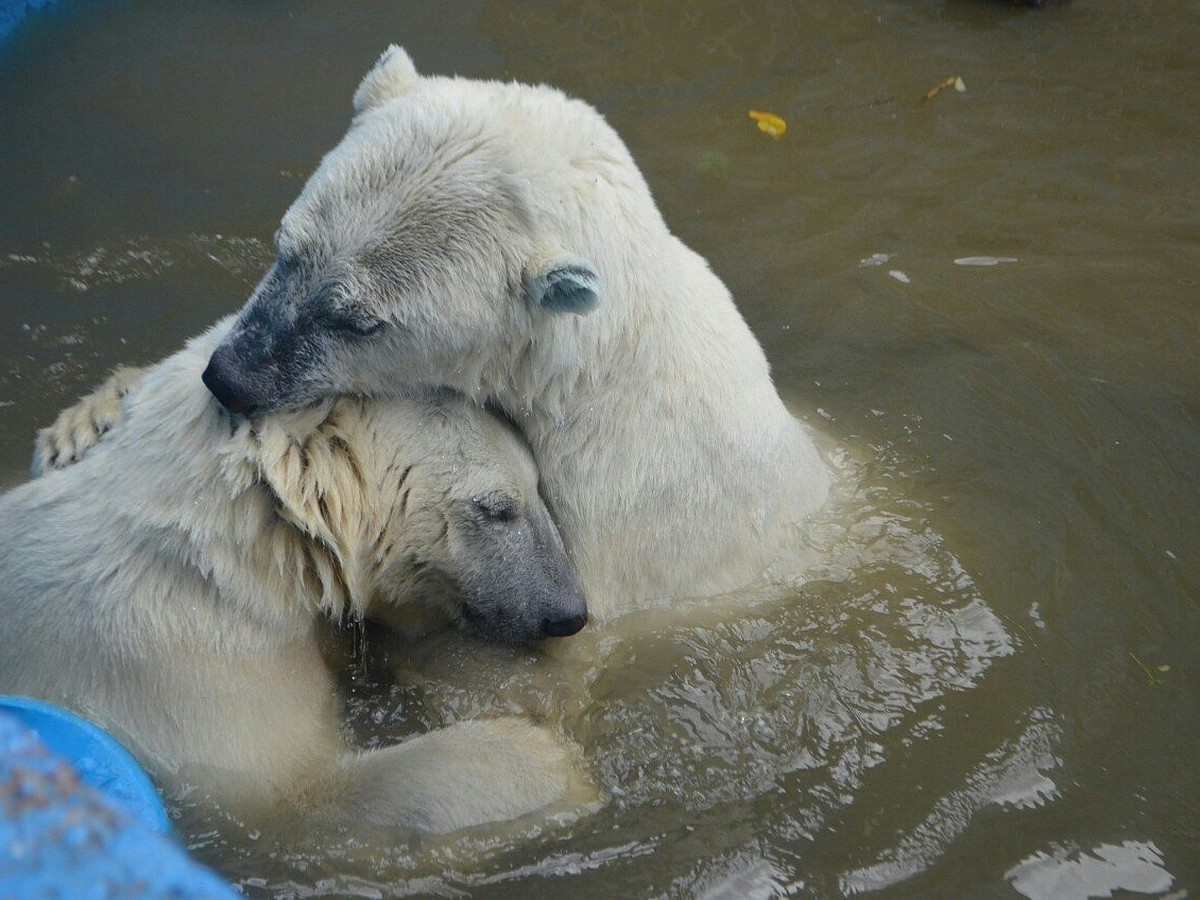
column 1012, row 775
column 1072, row 874
column 147, row 258
column 686, row 717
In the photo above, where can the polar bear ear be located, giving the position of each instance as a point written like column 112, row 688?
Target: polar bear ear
column 392, row 76
column 562, row 283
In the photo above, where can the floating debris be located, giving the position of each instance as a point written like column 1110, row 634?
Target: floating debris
column 899, row 276
column 954, row 81
column 1151, row 672
column 769, row 123
column 875, row 259
column 984, row 260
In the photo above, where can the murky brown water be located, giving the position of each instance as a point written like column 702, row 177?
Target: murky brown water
column 956, row 704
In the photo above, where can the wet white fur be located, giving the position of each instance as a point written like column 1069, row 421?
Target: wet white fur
column 668, row 458
column 171, row 584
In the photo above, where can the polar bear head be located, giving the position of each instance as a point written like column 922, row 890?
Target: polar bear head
column 417, row 506
column 458, row 227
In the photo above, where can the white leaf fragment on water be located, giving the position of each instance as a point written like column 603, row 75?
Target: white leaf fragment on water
column 984, row 260
column 875, row 259
column 899, row 276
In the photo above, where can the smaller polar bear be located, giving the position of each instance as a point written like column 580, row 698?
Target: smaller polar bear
column 171, row 584
column 499, row 239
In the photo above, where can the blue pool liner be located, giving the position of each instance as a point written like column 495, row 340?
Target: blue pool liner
column 64, row 835
column 13, row 11
column 99, row 759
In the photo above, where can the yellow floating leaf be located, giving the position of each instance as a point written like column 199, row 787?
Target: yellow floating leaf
column 769, row 123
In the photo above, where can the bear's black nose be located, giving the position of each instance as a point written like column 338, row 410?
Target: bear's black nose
column 565, row 625
column 222, row 376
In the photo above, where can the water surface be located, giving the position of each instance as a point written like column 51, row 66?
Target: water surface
column 986, row 302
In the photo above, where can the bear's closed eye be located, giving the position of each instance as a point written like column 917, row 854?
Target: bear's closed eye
column 495, row 507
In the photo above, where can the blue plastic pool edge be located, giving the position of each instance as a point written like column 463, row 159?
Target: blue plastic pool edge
column 62, row 836
column 101, row 761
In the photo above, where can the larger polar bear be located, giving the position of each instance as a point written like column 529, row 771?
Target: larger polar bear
column 499, row 239
column 170, row 586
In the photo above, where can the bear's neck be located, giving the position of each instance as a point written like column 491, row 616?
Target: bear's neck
column 185, row 472
column 667, row 456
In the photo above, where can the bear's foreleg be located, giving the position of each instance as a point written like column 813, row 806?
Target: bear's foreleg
column 80, row 426
column 466, row 774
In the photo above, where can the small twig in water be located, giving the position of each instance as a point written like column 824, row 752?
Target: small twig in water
column 954, row 81
column 1155, row 681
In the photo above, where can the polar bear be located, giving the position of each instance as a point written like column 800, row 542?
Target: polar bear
column 499, row 239
column 170, row 585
